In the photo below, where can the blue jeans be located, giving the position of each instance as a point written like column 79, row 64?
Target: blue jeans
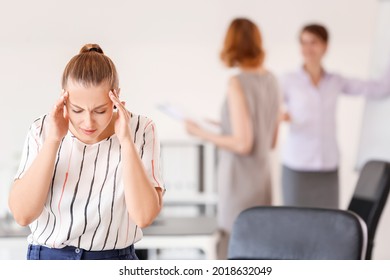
column 38, row 252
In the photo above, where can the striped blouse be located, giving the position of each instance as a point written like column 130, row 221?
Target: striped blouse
column 86, row 206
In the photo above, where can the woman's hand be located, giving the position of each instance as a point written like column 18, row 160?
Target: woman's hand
column 193, row 128
column 122, row 123
column 59, row 119
column 285, row 117
column 213, row 122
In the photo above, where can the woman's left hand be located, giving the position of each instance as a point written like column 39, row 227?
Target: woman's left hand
column 193, row 128
column 122, row 123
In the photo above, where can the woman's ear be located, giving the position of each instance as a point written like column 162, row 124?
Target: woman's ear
column 116, row 92
column 326, row 48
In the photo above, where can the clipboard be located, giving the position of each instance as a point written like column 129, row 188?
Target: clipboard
column 179, row 115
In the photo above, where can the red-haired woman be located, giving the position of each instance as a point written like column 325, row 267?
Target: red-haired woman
column 249, row 123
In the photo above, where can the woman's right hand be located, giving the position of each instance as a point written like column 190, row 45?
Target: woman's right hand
column 59, row 119
column 285, row 117
column 213, row 122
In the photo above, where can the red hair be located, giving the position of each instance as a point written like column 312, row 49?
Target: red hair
column 243, row 44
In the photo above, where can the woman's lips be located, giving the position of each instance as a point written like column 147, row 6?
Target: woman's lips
column 88, row 131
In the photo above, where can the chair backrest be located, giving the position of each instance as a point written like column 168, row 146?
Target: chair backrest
column 370, row 196
column 293, row 233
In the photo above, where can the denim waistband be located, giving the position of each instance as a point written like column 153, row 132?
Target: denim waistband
column 38, row 252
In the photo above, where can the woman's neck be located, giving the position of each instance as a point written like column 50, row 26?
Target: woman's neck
column 315, row 72
column 258, row 69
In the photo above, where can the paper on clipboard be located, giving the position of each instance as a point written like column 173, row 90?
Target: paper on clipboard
column 179, row 115
column 172, row 112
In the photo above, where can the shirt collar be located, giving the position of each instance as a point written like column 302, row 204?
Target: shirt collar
column 302, row 72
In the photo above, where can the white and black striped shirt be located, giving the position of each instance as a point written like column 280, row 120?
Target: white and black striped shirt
column 86, row 206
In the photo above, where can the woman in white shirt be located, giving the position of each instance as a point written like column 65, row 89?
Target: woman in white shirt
column 89, row 176
column 310, row 155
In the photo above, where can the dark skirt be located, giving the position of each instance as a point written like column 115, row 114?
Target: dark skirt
column 310, row 188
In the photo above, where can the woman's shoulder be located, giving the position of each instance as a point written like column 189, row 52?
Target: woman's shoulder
column 269, row 75
column 263, row 74
column 292, row 74
column 259, row 72
column 143, row 128
column 292, row 78
column 334, row 75
column 140, row 122
column 39, row 123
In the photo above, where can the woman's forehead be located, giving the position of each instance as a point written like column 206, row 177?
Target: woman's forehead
column 308, row 36
column 81, row 95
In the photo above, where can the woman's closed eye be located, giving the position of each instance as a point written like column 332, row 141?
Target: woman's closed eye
column 80, row 111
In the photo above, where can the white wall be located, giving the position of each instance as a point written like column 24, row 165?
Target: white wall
column 167, row 51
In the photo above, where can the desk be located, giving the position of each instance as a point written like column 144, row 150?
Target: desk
column 182, row 232
column 13, row 240
column 165, row 233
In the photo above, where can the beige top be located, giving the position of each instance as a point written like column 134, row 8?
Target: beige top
column 245, row 181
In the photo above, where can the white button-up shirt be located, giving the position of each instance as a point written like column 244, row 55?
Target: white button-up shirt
column 311, row 143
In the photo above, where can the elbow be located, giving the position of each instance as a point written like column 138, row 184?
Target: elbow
column 244, row 148
column 144, row 224
column 146, row 220
column 16, row 210
column 145, row 216
column 22, row 223
column 22, row 220
column 274, row 143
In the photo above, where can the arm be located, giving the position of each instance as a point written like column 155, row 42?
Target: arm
column 284, row 90
column 282, row 114
column 285, row 116
column 213, row 122
column 375, row 88
column 241, row 139
column 276, row 133
column 143, row 199
column 29, row 193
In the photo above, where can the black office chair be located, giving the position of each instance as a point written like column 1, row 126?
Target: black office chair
column 293, row 233
column 370, row 196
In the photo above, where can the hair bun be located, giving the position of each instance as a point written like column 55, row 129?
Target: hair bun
column 91, row 48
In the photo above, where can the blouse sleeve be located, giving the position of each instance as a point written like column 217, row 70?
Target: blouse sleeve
column 276, row 88
column 150, row 155
column 375, row 88
column 32, row 146
column 283, row 84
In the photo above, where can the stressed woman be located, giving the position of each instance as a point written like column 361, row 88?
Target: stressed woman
column 89, row 178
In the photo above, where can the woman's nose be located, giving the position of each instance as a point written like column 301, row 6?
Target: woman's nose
column 88, row 120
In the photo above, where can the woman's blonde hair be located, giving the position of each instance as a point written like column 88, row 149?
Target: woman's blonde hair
column 91, row 67
column 243, row 44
